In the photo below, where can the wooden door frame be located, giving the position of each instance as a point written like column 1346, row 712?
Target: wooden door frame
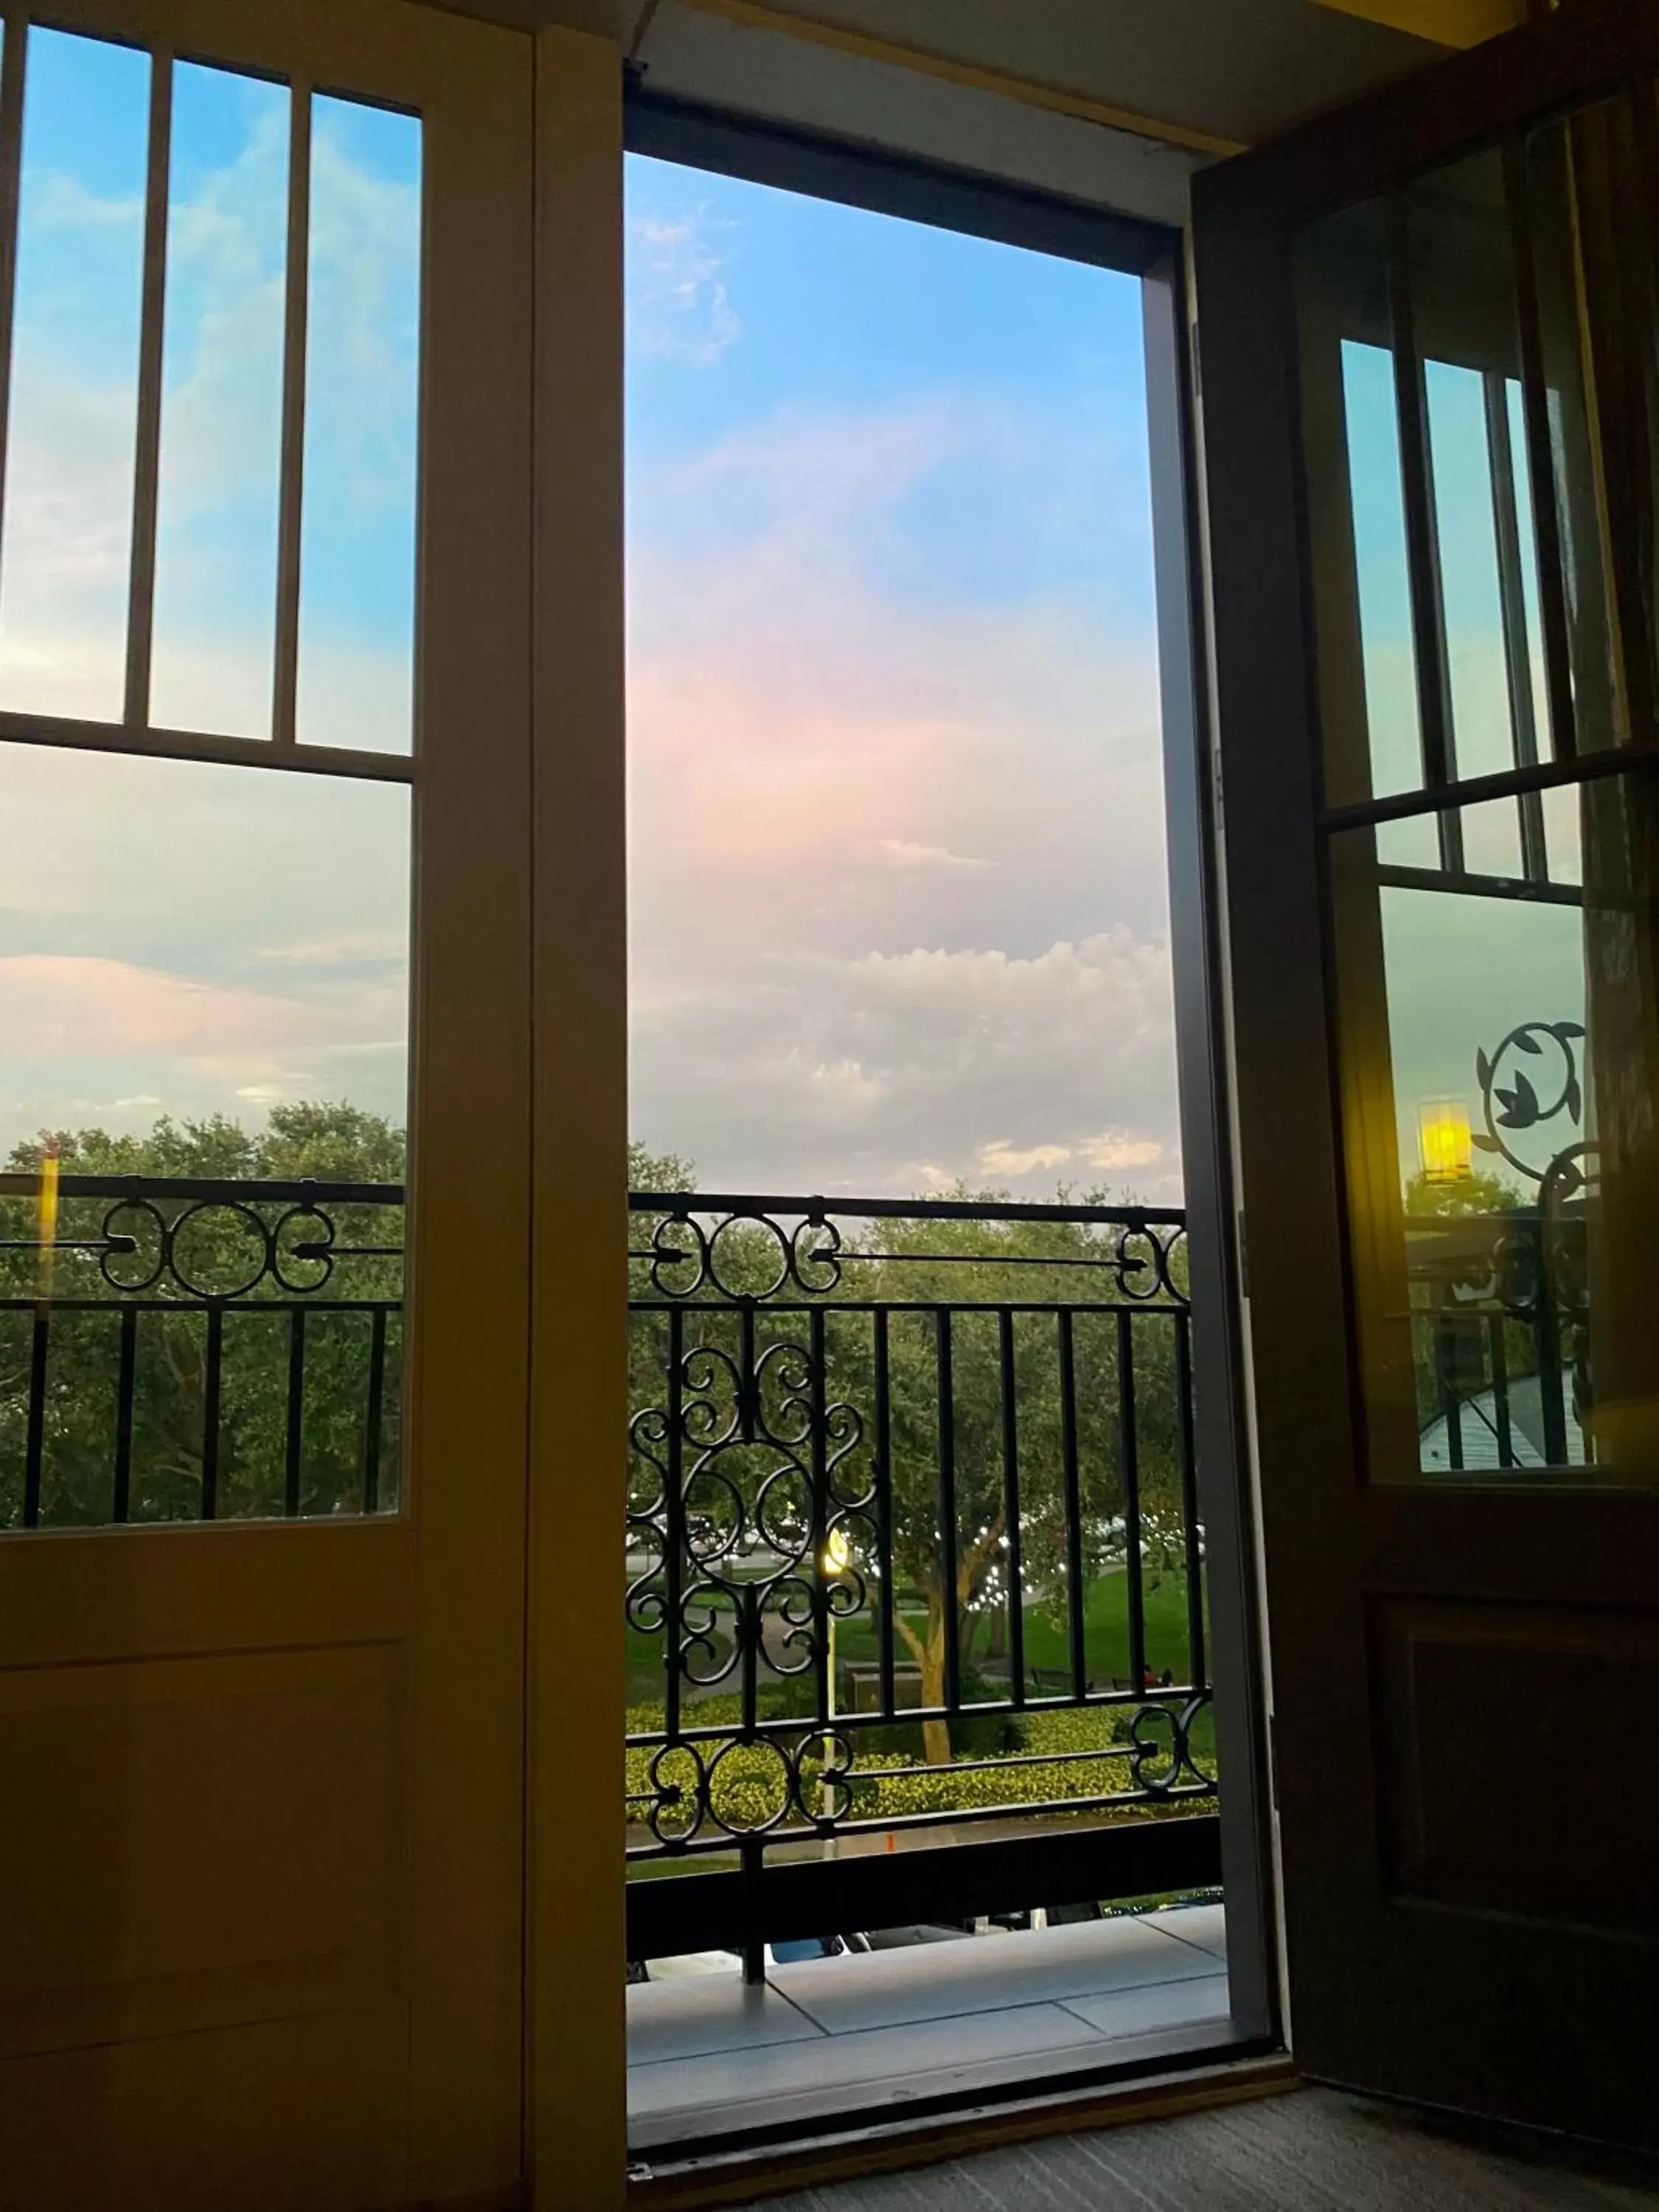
column 1276, row 915
column 575, row 2011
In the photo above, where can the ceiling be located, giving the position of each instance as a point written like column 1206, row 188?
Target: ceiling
column 1115, row 101
column 1238, row 69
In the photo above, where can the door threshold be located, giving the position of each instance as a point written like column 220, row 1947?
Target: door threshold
column 1140, row 2086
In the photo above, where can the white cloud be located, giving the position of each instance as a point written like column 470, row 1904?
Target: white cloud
column 901, row 853
column 883, row 1072
column 678, row 308
column 1115, row 1148
column 999, row 1158
column 339, row 951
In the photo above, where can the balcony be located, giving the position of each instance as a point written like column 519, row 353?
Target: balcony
column 917, row 1635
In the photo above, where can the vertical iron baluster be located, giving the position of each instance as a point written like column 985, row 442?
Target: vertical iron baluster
column 751, row 1859
column 1011, row 1506
column 1192, row 1547
column 212, row 1388
column 1075, row 1592
column 297, row 276
column 674, row 1529
column 1552, row 1405
column 883, row 1474
column 1450, row 1405
column 1541, row 456
column 36, row 1447
column 1500, row 1391
column 13, row 64
column 147, row 456
column 1512, row 595
column 294, row 1456
column 947, row 1508
column 817, row 1354
column 748, row 1376
column 1130, row 1461
column 121, row 1498
column 371, row 1424
column 1434, row 698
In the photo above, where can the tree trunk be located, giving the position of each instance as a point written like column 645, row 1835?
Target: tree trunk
column 929, row 1652
column 935, row 1735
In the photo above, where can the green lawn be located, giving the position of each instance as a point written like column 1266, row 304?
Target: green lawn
column 1048, row 1640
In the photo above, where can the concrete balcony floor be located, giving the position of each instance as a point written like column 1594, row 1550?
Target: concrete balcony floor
column 708, row 2056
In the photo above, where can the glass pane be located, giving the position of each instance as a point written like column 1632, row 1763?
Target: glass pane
column 185, row 1008
column 64, row 551
column 1500, row 1071
column 222, row 405
column 1382, row 573
column 1410, row 307
column 362, row 362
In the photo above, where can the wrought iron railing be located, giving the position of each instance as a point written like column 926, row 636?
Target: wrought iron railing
column 1498, row 1277
column 182, row 1348
column 913, row 1546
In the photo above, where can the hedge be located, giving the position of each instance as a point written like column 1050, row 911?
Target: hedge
column 750, row 1786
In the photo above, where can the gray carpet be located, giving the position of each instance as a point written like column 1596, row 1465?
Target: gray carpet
column 1312, row 2151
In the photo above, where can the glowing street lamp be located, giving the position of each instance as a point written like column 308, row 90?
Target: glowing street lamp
column 1444, row 1142
column 838, row 1558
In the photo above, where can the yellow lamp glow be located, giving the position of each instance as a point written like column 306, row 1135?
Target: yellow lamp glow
column 837, row 1552
column 45, row 1217
column 1443, row 1139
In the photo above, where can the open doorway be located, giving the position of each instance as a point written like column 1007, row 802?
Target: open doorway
column 922, row 1776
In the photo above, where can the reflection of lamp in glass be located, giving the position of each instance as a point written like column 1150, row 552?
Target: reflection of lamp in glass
column 1443, row 1139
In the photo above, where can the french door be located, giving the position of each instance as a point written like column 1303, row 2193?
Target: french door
column 265, row 627
column 1431, row 419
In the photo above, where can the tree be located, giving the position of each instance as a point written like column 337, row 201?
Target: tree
column 906, row 1264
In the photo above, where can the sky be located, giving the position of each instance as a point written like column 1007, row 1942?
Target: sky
column 174, row 935
column 899, row 913
column 899, row 909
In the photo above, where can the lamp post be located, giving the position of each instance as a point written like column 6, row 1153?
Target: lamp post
column 838, row 1558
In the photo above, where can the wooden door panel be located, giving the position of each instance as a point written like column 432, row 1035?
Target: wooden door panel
column 280, row 2115
column 66, row 1600
column 1511, row 1777
column 227, row 1843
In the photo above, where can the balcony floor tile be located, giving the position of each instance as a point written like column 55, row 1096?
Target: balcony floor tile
column 891, row 2055
column 1203, row 1924
column 939, row 1981
column 1161, row 2004
column 700, row 2016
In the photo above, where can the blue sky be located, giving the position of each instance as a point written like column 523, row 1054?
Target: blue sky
column 896, row 866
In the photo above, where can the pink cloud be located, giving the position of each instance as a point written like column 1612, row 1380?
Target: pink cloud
column 53, row 1004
